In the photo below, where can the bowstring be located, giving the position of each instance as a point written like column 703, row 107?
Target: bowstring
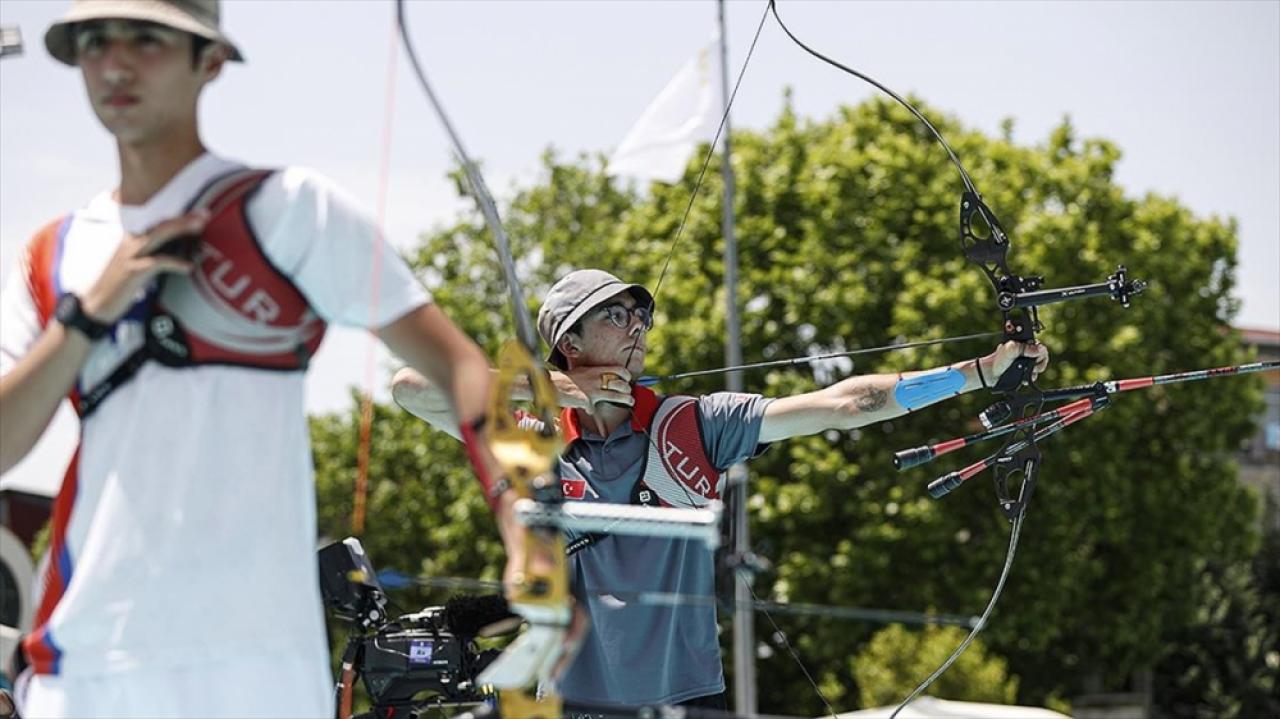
column 693, row 195
column 964, row 174
column 982, row 620
column 702, row 172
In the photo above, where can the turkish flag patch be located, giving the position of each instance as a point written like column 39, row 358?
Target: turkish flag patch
column 574, row 488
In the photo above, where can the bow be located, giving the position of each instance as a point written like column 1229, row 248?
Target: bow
column 985, row 244
column 526, row 458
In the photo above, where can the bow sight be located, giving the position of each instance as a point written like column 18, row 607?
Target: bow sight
column 1018, row 297
column 988, row 246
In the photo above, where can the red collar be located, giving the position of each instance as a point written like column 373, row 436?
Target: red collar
column 641, row 414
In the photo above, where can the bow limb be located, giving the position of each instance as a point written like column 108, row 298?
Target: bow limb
column 539, row 589
column 985, row 243
column 480, row 191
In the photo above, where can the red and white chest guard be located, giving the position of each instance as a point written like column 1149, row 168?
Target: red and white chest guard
column 677, row 471
column 235, row 308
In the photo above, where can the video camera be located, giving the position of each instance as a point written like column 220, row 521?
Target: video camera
column 419, row 661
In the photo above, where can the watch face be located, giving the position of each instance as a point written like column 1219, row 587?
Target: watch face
column 65, row 311
column 68, row 312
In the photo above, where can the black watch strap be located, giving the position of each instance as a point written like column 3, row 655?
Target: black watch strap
column 71, row 315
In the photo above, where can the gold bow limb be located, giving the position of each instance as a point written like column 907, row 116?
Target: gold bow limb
column 539, row 592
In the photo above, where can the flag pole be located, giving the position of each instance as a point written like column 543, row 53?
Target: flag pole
column 744, row 665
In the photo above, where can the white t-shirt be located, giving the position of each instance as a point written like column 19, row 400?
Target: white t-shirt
column 192, row 534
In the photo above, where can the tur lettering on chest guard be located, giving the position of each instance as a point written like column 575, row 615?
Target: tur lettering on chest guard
column 688, row 470
column 219, row 273
column 685, row 469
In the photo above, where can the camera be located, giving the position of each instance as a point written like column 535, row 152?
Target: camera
column 411, row 663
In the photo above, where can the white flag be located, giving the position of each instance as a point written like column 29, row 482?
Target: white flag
column 686, row 113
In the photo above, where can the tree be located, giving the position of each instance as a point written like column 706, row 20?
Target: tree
column 1225, row 663
column 424, row 516
column 896, row 659
column 847, row 233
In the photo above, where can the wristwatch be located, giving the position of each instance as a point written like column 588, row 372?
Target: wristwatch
column 71, row 315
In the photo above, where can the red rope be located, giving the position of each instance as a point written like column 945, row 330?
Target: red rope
column 375, row 282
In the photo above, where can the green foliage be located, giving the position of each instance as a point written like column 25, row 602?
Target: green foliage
column 1225, row 663
column 847, row 237
column 424, row 515
column 896, row 659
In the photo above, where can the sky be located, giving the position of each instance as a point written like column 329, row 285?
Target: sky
column 1189, row 91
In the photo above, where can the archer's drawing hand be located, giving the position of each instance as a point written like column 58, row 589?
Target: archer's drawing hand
column 585, row 387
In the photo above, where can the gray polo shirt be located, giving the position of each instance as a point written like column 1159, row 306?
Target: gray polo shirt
column 640, row 653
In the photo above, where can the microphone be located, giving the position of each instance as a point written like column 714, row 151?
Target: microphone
column 487, row 615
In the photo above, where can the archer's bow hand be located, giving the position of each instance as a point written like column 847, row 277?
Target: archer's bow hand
column 995, row 364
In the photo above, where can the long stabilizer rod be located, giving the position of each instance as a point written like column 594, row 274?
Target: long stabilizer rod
column 943, row 485
column 916, row 456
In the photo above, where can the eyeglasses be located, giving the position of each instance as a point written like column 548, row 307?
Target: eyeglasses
column 620, row 315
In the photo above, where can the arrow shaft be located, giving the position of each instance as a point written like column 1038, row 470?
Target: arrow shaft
column 649, row 380
column 1133, row 383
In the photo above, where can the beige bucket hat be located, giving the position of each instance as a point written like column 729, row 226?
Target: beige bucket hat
column 572, row 297
column 198, row 17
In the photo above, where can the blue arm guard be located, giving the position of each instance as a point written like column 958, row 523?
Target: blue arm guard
column 925, row 389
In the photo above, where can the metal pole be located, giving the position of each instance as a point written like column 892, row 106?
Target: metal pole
column 744, row 661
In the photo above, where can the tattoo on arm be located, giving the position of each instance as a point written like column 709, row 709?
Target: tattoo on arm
column 871, row 399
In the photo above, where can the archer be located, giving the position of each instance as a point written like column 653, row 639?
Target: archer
column 627, row 445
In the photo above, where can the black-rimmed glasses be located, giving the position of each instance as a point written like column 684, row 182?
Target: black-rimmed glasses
column 620, row 315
